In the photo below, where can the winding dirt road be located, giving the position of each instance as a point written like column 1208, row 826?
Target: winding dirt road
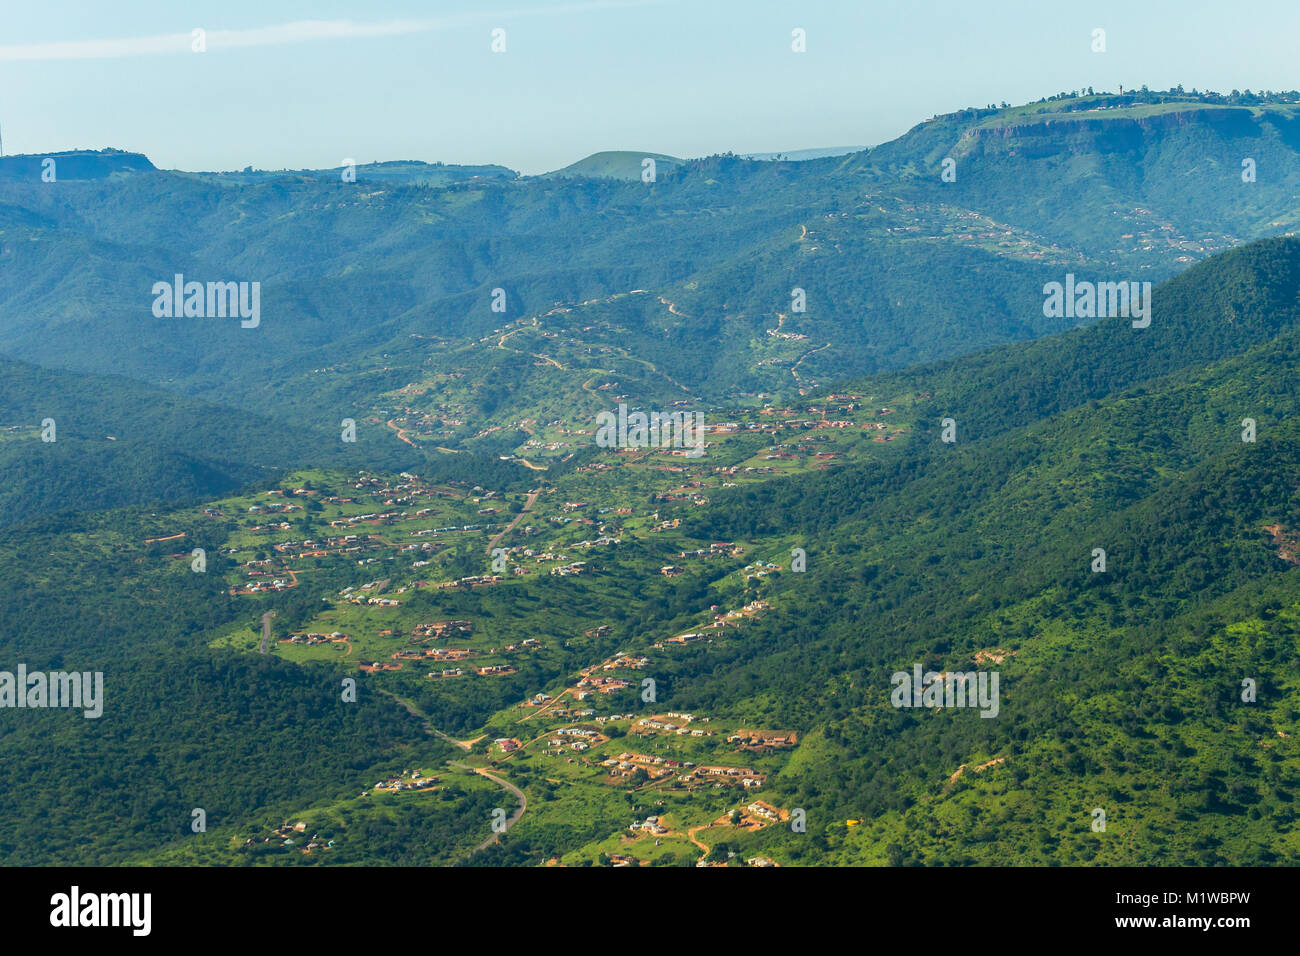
column 506, row 784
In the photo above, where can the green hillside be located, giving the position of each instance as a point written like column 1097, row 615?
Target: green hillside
column 374, row 292
column 1121, row 689
column 112, row 442
column 1123, row 686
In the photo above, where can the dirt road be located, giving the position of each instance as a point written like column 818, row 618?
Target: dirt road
column 532, row 497
column 507, row 785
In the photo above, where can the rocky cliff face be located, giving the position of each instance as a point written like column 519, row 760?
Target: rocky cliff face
column 1096, row 132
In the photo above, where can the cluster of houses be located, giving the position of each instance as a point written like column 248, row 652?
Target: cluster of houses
column 542, row 699
column 626, row 765
column 370, row 667
column 764, row 813
column 576, row 738
column 760, row 569
column 799, row 423
column 538, row 556
column 734, row 470
column 474, row 581
column 289, row 835
column 725, row 775
column 651, row 825
column 258, row 587
column 604, row 685
column 273, row 509
column 361, row 597
column 584, row 733
column 610, row 718
column 602, row 542
column 437, row 654
column 715, row 549
column 525, row 644
column 388, row 517
column 411, row 780
column 349, row 520
column 673, row 723
column 621, row 659
column 309, row 547
column 732, row 618
column 791, row 336
column 439, row 629
column 722, row 619
column 315, row 637
column 560, row 712
column 565, row 570
column 694, row 497
column 763, row 741
column 686, row 638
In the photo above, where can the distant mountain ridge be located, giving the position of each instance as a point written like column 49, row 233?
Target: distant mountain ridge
column 799, row 155
column 391, row 172
column 622, row 164
column 78, row 164
column 684, row 286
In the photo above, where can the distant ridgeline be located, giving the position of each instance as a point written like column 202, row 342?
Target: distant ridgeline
column 73, row 165
column 397, row 172
column 82, row 164
column 457, row 301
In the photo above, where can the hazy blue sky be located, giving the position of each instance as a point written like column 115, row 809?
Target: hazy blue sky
column 401, row 79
